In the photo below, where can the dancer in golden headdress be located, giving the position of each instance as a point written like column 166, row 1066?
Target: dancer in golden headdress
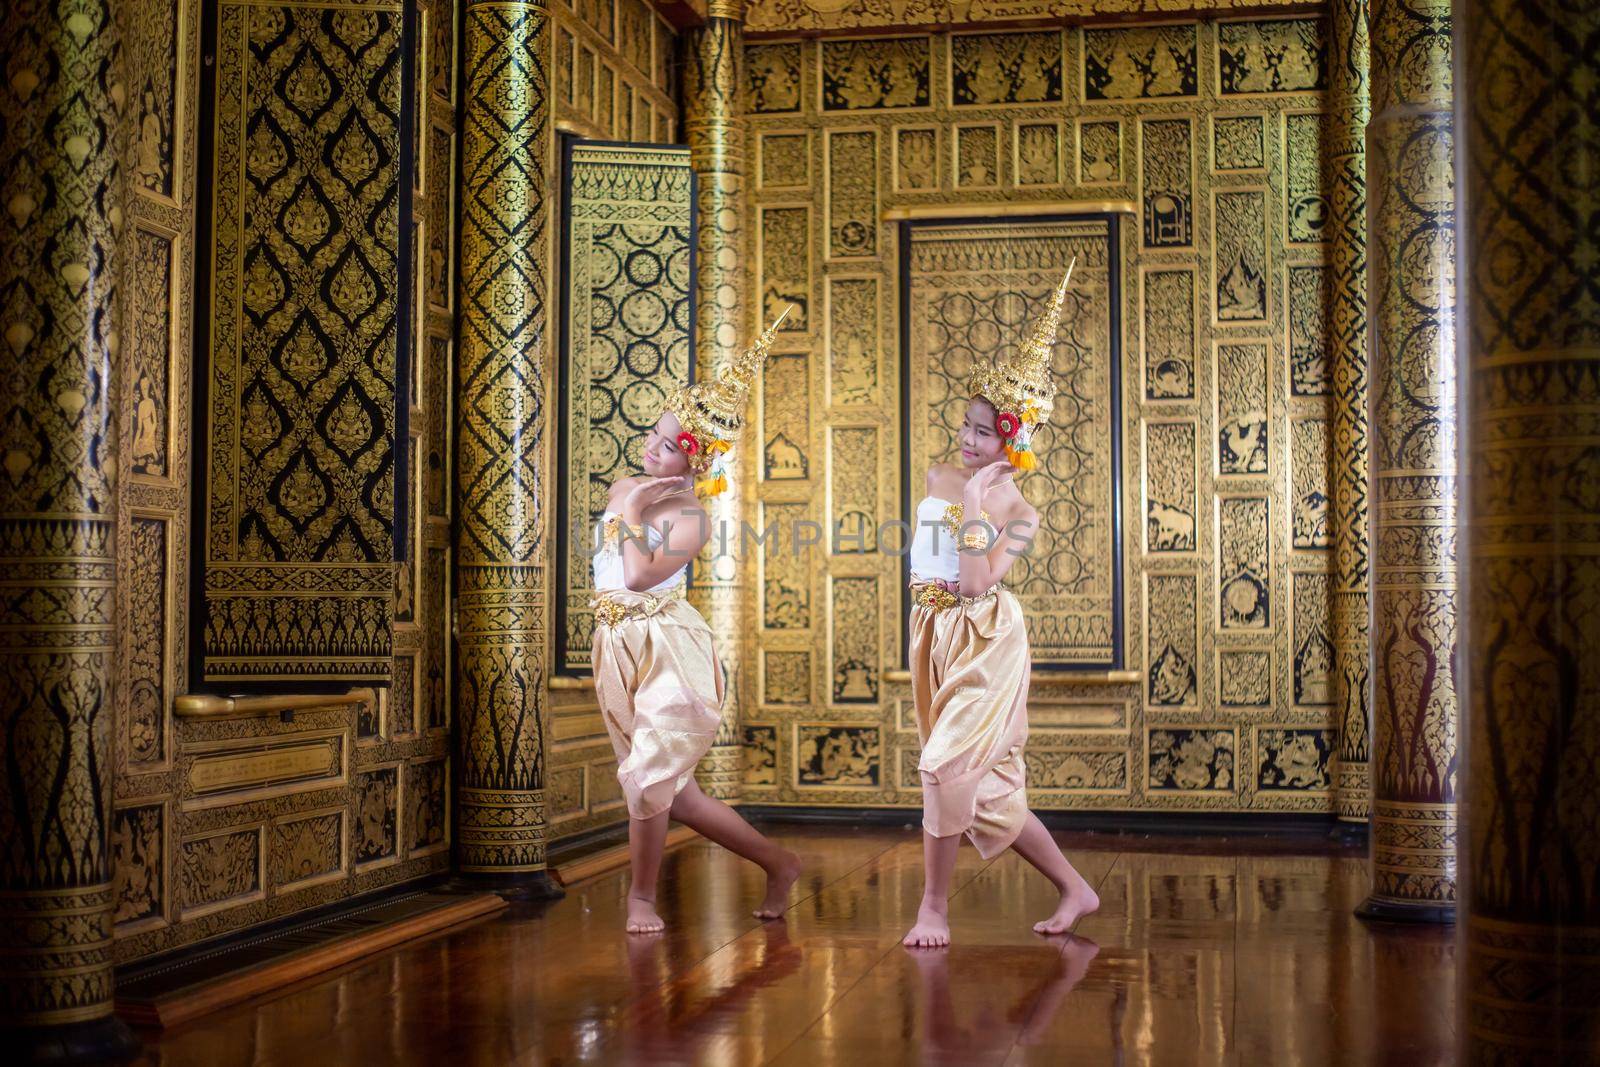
column 969, row 641
column 657, row 677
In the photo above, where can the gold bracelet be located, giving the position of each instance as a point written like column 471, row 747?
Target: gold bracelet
column 975, row 539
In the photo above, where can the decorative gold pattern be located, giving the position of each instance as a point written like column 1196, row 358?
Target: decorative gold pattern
column 1244, row 582
column 1173, row 640
column 1238, row 143
column 1243, row 408
column 1005, row 68
column 301, row 454
column 881, row 72
column 1169, row 336
column 857, row 648
column 1532, row 953
column 852, row 193
column 796, row 16
column 1167, row 156
column 58, row 506
column 1171, row 481
column 1533, row 544
column 1239, row 255
column 1345, row 177
column 1139, row 62
column 1308, row 471
column 1271, row 57
column 1410, row 170
column 502, row 441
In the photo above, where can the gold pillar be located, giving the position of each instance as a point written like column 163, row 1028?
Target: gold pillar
column 503, row 440
column 1411, row 183
column 1349, row 109
column 1531, row 638
column 723, row 588
column 59, row 216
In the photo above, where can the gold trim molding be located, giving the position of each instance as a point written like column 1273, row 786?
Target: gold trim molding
column 1012, row 210
column 204, row 706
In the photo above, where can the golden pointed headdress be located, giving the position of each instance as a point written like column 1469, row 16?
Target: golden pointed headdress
column 1021, row 386
column 711, row 413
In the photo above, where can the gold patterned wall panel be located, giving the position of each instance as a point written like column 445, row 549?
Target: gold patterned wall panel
column 879, row 72
column 1038, row 157
column 1244, row 573
column 1244, row 408
column 1166, row 152
column 1142, row 118
column 1140, row 62
column 853, row 341
column 785, row 417
column 1287, row 56
column 1168, row 334
column 972, row 290
column 796, row 16
column 1171, row 487
column 1006, row 68
column 613, row 74
column 1238, row 143
column 299, row 474
column 630, row 326
column 1172, row 640
column 852, row 194
column 785, row 267
column 1240, row 272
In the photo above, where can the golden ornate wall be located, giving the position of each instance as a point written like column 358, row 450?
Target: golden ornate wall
column 616, row 76
column 224, row 820
column 793, row 16
column 1213, row 131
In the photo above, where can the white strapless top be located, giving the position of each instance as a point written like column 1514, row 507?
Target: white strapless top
column 936, row 542
column 608, row 572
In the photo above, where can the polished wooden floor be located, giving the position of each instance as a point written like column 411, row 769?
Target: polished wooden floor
column 1205, row 950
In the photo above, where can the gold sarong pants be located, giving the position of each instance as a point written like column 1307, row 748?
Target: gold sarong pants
column 660, row 690
column 969, row 683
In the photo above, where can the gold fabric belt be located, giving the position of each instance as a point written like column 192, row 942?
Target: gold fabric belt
column 611, row 608
column 935, row 596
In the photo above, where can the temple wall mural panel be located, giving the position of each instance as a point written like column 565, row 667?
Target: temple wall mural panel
column 616, row 71
column 1196, row 136
column 224, row 817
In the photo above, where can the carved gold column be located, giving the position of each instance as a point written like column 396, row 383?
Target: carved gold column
column 503, row 408
column 1531, row 642
column 60, row 198
column 1411, row 183
column 723, row 589
column 1349, row 108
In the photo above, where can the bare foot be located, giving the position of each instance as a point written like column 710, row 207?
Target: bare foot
column 932, row 929
column 779, row 882
column 1077, row 900
column 642, row 917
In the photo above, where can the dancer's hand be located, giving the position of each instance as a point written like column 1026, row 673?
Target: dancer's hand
column 986, row 478
column 650, row 492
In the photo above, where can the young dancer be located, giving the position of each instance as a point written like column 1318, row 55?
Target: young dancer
column 969, row 641
column 657, row 677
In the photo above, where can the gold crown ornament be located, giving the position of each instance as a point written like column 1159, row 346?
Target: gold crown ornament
column 711, row 413
column 1021, row 387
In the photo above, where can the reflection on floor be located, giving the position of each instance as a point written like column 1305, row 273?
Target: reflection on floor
column 1205, row 950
